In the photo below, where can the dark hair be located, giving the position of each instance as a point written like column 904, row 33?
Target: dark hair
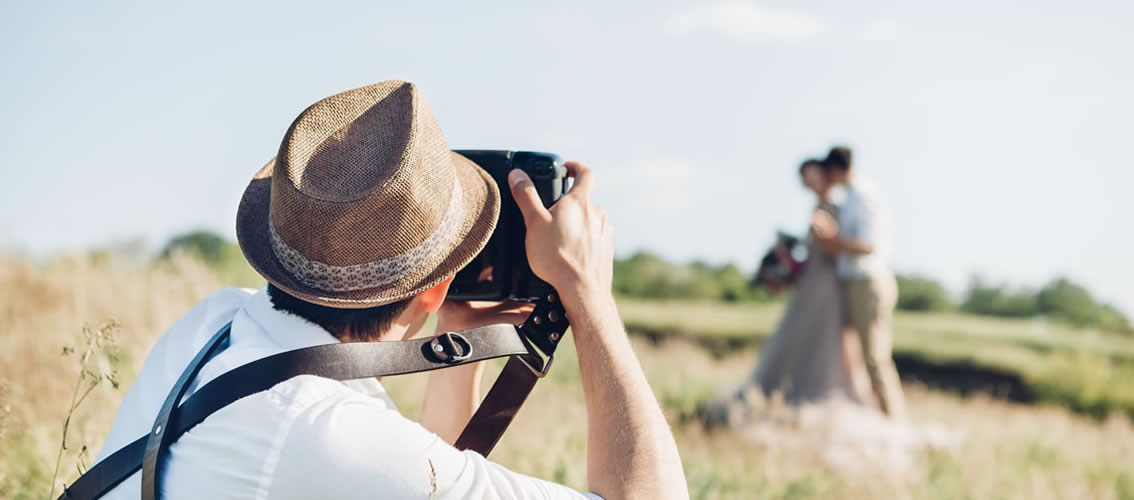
column 838, row 159
column 809, row 163
column 364, row 325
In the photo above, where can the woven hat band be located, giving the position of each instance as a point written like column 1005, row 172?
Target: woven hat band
column 376, row 273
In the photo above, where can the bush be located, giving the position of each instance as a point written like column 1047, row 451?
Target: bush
column 204, row 245
column 1060, row 299
column 1067, row 301
column 1112, row 319
column 644, row 275
column 999, row 300
column 222, row 256
column 918, row 293
column 734, row 285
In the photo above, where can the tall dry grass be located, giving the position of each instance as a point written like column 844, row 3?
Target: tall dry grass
column 1008, row 452
column 43, row 312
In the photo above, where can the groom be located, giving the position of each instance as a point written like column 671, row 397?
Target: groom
column 861, row 240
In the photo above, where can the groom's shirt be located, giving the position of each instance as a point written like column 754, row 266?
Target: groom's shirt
column 307, row 437
column 863, row 217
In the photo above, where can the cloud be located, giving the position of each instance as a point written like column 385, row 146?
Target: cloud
column 880, row 31
column 742, row 20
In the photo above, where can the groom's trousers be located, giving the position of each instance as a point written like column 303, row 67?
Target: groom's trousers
column 870, row 307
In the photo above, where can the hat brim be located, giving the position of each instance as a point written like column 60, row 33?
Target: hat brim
column 481, row 199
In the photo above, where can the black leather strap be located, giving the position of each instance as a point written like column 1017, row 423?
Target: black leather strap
column 500, row 405
column 158, row 441
column 108, row 473
column 334, row 361
column 545, row 328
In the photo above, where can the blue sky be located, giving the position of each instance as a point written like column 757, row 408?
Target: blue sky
column 999, row 131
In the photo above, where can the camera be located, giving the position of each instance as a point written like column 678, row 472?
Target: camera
column 501, row 270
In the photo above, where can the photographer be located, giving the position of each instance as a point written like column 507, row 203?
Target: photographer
column 359, row 225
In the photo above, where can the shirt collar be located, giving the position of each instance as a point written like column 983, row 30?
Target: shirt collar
column 290, row 332
column 284, row 329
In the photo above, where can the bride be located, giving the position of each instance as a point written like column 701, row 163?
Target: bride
column 805, row 359
column 812, row 361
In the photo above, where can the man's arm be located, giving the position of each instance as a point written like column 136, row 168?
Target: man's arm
column 630, row 448
column 826, row 230
column 452, row 395
column 855, row 247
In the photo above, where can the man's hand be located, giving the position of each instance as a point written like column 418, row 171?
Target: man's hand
column 826, row 230
column 630, row 448
column 824, row 225
column 460, row 315
column 571, row 246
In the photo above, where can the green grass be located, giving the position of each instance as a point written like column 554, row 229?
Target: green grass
column 1089, row 371
column 1011, row 451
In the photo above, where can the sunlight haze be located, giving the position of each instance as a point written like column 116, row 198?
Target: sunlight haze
column 998, row 132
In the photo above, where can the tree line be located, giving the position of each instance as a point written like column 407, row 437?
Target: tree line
column 645, row 275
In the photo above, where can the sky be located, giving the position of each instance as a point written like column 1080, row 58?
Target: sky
column 999, row 132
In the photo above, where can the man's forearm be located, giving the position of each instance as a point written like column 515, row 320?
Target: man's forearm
column 452, row 395
column 630, row 448
column 856, row 247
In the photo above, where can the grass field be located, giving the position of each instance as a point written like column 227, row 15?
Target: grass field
column 1089, row 371
column 1008, row 451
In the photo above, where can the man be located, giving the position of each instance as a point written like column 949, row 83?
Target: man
column 861, row 239
column 359, row 225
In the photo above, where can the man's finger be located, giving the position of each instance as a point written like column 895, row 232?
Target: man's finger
column 499, row 307
column 584, row 178
column 526, row 196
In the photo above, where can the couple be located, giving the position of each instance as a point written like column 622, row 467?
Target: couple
column 844, row 298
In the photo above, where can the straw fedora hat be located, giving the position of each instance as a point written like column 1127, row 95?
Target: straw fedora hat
column 364, row 204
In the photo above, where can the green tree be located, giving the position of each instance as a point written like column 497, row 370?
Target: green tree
column 205, row 245
column 918, row 293
column 642, row 275
column 734, row 286
column 648, row 276
column 1060, row 299
column 998, row 300
column 220, row 254
column 1063, row 299
column 1110, row 318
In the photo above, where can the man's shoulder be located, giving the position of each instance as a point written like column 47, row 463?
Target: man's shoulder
column 864, row 192
column 181, row 341
column 268, row 440
column 863, row 186
column 189, row 333
column 302, row 397
column 307, row 392
column 227, row 298
column 219, row 306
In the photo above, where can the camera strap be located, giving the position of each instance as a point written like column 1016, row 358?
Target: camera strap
column 544, row 328
column 522, row 344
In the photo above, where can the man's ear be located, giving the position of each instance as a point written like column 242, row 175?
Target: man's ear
column 432, row 299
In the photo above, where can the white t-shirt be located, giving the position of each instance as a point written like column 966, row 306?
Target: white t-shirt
column 307, row 437
column 863, row 217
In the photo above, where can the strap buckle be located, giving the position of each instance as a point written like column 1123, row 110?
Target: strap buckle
column 450, row 347
column 539, row 372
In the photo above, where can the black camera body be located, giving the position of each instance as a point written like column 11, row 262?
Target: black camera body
column 501, row 270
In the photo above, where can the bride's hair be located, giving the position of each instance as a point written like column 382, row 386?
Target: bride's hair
column 810, row 162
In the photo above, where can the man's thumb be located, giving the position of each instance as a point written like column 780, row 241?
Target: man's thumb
column 526, row 196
